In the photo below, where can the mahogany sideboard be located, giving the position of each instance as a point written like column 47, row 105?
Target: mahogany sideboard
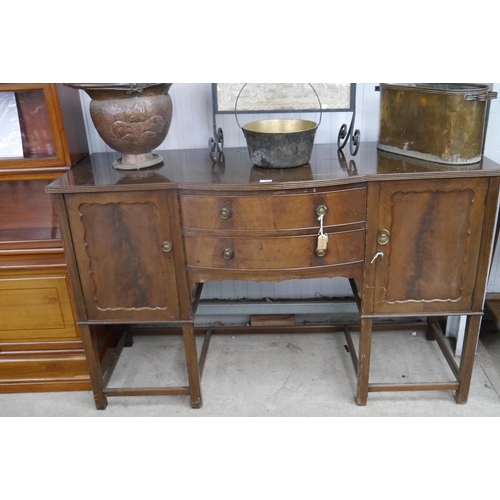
column 413, row 237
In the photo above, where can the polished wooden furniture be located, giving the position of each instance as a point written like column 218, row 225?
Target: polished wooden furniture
column 413, row 237
column 40, row 345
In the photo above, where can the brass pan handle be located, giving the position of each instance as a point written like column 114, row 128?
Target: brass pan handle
column 310, row 85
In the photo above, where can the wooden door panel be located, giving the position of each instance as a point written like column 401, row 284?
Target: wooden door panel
column 117, row 239
column 430, row 261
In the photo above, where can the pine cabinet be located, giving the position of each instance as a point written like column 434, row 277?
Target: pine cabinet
column 43, row 135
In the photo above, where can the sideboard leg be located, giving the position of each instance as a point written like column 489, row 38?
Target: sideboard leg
column 192, row 364
column 94, row 366
column 467, row 358
column 365, row 342
column 429, row 332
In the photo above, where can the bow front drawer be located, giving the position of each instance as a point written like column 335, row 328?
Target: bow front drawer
column 296, row 252
column 272, row 211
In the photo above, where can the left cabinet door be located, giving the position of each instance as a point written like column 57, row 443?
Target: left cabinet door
column 126, row 260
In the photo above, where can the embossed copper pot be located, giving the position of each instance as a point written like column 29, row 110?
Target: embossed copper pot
column 131, row 118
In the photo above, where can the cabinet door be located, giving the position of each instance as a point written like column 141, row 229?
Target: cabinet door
column 126, row 271
column 429, row 232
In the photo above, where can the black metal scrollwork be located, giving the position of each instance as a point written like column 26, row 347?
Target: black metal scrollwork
column 346, row 134
column 216, row 143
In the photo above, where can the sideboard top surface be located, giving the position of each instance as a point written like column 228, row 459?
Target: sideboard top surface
column 194, row 169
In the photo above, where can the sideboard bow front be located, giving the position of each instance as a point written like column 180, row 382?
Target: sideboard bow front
column 414, row 238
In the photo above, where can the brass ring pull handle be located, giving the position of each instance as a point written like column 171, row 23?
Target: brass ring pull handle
column 383, row 237
column 225, row 213
column 321, row 210
column 166, row 246
column 227, row 253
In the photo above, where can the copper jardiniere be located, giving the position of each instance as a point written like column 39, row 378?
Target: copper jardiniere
column 131, row 118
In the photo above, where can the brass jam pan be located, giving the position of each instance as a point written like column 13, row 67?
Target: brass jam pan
column 280, row 143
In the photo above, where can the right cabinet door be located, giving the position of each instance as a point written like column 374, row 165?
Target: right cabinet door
column 429, row 232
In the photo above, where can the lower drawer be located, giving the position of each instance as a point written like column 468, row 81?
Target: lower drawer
column 36, row 308
column 294, row 252
column 37, row 371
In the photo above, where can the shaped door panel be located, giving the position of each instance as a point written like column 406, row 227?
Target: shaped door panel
column 125, row 274
column 434, row 231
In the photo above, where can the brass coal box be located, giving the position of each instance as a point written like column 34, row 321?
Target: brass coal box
column 441, row 122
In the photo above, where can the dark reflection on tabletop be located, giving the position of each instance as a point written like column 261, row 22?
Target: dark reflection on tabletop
column 393, row 163
column 105, row 173
column 351, row 168
column 234, row 168
column 265, row 175
column 150, row 174
column 218, row 168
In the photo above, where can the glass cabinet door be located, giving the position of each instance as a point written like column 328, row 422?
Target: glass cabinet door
column 31, row 127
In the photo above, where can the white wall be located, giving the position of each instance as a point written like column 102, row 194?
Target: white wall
column 192, row 122
column 492, row 149
column 192, row 126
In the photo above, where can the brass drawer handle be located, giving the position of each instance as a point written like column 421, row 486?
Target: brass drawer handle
column 320, row 252
column 166, row 246
column 227, row 253
column 225, row 213
column 383, row 237
column 321, row 210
